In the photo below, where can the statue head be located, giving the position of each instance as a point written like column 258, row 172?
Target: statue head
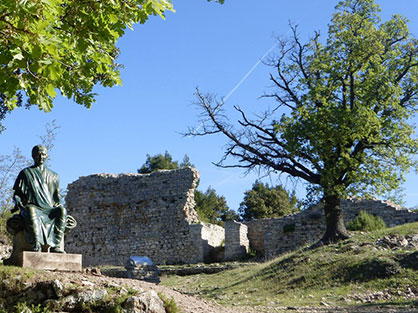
column 39, row 154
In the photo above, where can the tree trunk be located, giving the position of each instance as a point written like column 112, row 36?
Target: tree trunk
column 335, row 223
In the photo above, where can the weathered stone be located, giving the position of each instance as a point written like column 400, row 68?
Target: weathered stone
column 5, row 251
column 270, row 238
column 153, row 215
column 90, row 296
column 146, row 302
column 151, row 302
column 236, row 240
column 136, row 214
column 50, row 261
column 58, row 288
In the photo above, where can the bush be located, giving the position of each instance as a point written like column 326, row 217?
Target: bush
column 366, row 222
column 170, row 304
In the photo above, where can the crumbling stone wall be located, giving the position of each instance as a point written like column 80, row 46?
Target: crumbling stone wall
column 134, row 214
column 256, row 232
column 153, row 215
column 391, row 213
column 207, row 237
column 236, row 240
column 272, row 237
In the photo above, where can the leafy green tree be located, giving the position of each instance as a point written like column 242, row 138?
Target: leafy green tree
column 210, row 207
column 158, row 162
column 263, row 201
column 343, row 105
column 64, row 45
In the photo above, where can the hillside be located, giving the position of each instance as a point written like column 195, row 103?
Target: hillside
column 371, row 272
column 378, row 270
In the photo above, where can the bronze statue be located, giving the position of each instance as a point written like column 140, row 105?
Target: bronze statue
column 36, row 194
column 42, row 220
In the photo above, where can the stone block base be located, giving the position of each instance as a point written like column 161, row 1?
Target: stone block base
column 51, row 261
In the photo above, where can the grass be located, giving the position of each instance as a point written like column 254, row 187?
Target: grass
column 331, row 274
column 170, row 304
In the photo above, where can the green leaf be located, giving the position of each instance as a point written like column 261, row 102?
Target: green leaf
column 50, row 89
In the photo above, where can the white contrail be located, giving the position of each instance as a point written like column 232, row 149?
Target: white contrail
column 248, row 73
column 239, row 84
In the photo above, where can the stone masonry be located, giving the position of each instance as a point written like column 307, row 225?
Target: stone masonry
column 153, row 215
column 236, row 241
column 272, row 237
column 135, row 214
column 207, row 236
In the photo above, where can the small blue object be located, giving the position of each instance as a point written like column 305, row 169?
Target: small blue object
column 140, row 260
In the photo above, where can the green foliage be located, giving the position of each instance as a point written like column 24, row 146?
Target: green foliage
column 212, row 208
column 344, row 104
column 24, row 308
column 169, row 304
column 366, row 222
column 158, row 162
column 64, row 45
column 335, row 274
column 355, row 96
column 263, row 201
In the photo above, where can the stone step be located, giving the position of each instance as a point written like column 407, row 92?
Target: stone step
column 51, row 261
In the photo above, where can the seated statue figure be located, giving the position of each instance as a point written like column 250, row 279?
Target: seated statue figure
column 42, row 217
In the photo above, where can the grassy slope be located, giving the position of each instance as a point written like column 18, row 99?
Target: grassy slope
column 331, row 274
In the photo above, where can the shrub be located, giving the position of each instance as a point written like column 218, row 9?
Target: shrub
column 170, row 304
column 24, row 308
column 366, row 222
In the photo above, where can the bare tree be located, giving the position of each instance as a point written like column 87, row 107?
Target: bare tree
column 341, row 117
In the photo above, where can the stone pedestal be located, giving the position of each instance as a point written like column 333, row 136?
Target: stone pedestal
column 51, row 261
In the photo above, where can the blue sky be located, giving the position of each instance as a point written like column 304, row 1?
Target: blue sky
column 202, row 44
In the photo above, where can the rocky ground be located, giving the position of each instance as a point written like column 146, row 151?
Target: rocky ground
column 92, row 286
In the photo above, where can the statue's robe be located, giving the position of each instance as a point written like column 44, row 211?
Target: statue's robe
column 43, row 215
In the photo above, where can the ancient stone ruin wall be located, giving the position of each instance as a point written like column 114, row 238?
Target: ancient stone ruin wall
column 207, row 237
column 134, row 214
column 236, row 240
column 392, row 214
column 271, row 237
column 256, row 231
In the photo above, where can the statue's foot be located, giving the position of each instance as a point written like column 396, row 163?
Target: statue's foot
column 37, row 247
column 56, row 250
